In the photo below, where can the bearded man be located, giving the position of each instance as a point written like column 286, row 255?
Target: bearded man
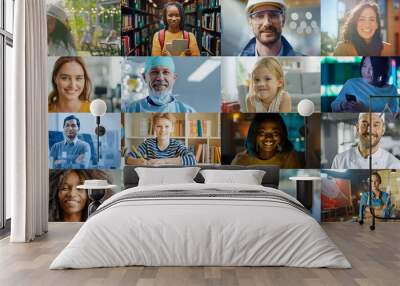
column 160, row 77
column 267, row 18
column 358, row 157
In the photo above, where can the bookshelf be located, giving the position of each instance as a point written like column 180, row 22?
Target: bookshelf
column 138, row 21
column 211, row 26
column 200, row 132
column 191, row 17
column 203, row 19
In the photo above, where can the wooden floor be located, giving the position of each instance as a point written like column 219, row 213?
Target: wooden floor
column 375, row 257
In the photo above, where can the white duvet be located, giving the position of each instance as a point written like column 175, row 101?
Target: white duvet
column 200, row 231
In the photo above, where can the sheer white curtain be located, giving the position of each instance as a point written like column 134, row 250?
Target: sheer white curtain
column 26, row 124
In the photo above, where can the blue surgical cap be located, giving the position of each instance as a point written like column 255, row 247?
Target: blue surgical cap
column 153, row 62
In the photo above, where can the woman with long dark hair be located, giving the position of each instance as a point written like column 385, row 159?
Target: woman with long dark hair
column 59, row 38
column 174, row 20
column 361, row 33
column 267, row 143
column 374, row 80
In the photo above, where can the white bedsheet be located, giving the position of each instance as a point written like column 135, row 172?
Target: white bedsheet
column 206, row 231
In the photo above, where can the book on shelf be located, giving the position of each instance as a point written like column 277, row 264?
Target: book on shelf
column 126, row 23
column 190, row 20
column 205, row 153
column 200, row 128
column 138, row 4
column 211, row 21
column 126, row 45
column 190, row 7
column 211, row 43
column 179, row 128
column 211, row 3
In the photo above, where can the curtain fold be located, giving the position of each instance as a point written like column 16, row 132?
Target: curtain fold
column 26, row 124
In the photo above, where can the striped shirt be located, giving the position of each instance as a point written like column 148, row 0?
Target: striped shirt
column 149, row 150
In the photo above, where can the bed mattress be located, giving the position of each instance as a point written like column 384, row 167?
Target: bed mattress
column 201, row 225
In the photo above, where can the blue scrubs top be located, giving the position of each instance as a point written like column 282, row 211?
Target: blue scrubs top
column 146, row 105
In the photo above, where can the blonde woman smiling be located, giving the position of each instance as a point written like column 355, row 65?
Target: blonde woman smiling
column 266, row 89
column 71, row 86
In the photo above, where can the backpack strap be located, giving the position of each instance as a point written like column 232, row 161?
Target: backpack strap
column 186, row 37
column 161, row 38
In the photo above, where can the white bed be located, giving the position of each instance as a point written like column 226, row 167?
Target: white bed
column 257, row 226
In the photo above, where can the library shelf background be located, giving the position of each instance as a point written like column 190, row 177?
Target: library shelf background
column 200, row 132
column 141, row 19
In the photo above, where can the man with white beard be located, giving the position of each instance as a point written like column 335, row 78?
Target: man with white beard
column 160, row 77
column 358, row 157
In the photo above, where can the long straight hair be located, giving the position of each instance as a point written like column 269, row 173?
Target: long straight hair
column 87, row 89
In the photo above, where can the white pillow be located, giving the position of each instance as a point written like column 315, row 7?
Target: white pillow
column 249, row 177
column 166, row 176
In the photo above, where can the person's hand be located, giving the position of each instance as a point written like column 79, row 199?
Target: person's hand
column 352, row 106
column 136, row 161
column 165, row 53
column 188, row 52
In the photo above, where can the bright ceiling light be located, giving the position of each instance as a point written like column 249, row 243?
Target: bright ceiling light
column 204, row 70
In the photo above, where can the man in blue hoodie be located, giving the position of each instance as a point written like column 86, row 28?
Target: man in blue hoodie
column 267, row 18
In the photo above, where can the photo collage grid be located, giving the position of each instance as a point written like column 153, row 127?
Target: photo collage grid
column 233, row 82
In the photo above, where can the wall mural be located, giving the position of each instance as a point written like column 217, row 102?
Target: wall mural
column 307, row 114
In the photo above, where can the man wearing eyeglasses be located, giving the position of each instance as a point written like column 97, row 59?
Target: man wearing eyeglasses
column 267, row 18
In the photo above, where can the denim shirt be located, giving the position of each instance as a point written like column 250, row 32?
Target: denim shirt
column 66, row 153
column 287, row 49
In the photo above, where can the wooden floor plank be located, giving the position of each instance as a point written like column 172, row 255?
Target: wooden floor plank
column 375, row 257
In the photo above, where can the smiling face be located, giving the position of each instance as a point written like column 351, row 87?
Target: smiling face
column 265, row 83
column 367, row 71
column 163, row 129
column 173, row 17
column 71, row 199
column 71, row 129
column 268, row 139
column 363, row 127
column 267, row 24
column 161, row 79
column 367, row 24
column 70, row 81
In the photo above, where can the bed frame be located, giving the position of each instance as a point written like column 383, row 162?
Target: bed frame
column 270, row 179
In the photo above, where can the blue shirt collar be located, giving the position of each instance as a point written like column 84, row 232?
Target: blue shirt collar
column 67, row 141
